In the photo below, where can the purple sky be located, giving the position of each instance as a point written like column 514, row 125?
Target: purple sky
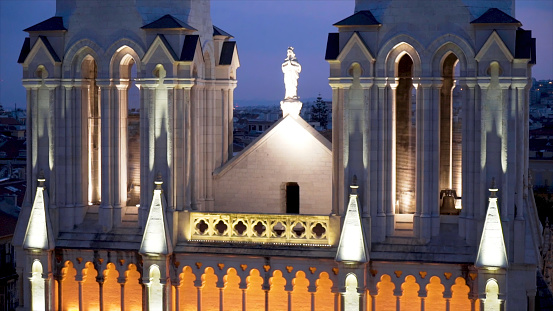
column 263, row 30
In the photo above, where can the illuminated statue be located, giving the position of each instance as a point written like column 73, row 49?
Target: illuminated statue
column 291, row 69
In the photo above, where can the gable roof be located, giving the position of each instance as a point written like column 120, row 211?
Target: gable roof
column 361, row 18
column 495, row 16
column 227, row 51
column 189, row 48
column 168, row 22
column 220, row 32
column 332, row 46
column 52, row 24
column 494, row 38
column 355, row 40
column 160, row 40
column 259, row 141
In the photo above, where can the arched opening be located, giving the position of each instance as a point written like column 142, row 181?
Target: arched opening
column 90, row 288
column 38, row 301
column 324, row 298
column 210, row 292
column 89, row 100
column 133, row 289
column 301, row 298
column 255, row 295
column 450, row 138
column 460, row 295
column 410, row 300
column 111, row 289
column 405, row 138
column 278, row 297
column 292, row 198
column 129, row 101
column 188, row 293
column 351, row 298
column 232, row 299
column 155, row 290
column 385, row 299
column 69, row 288
column 492, row 296
column 434, row 298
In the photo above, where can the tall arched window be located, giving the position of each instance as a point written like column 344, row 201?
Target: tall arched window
column 450, row 139
column 405, row 138
column 89, row 99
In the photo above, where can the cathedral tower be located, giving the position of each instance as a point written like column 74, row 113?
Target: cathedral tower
column 431, row 100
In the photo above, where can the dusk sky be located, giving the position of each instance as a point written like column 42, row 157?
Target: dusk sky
column 263, row 30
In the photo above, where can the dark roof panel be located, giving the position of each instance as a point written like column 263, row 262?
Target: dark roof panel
column 361, row 18
column 25, row 49
column 220, row 32
column 52, row 24
column 50, row 48
column 495, row 16
column 525, row 45
column 168, row 22
column 227, row 51
column 189, row 47
column 168, row 46
column 332, row 46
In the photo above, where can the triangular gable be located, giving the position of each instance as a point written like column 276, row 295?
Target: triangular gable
column 39, row 232
column 229, row 54
column 361, row 18
column 354, row 41
column 282, row 124
column 190, row 48
column 168, row 22
column 52, row 24
column 492, row 251
column 156, row 240
column 220, row 32
column 42, row 43
column 352, row 247
column 495, row 16
column 494, row 38
column 160, row 42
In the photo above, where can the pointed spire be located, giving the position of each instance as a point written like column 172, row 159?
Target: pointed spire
column 492, row 252
column 352, row 247
column 38, row 235
column 156, row 240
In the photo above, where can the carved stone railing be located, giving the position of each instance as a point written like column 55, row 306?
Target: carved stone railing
column 305, row 230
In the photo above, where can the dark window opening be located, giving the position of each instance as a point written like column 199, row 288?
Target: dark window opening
column 292, row 198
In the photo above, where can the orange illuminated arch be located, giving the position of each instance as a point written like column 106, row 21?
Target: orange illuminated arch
column 255, row 296
column 111, row 289
column 301, row 297
column 278, row 297
column 410, row 300
column 232, row 294
column 91, row 289
column 324, row 298
column 188, row 294
column 460, row 295
column 385, row 299
column 210, row 292
column 434, row 299
column 133, row 289
column 69, row 288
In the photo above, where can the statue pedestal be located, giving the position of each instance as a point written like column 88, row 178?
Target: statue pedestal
column 291, row 107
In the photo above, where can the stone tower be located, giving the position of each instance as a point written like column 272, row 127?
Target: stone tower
column 430, row 103
column 120, row 94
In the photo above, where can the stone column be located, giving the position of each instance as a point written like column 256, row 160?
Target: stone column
column 466, row 218
column 389, row 158
column 381, row 171
column 105, row 212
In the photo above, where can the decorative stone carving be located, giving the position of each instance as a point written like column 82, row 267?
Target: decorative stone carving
column 291, row 69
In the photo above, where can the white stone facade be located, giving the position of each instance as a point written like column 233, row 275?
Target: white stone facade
column 152, row 212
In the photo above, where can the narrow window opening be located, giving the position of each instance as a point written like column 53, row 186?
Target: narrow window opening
column 133, row 139
column 292, row 198
column 405, row 136
column 450, row 139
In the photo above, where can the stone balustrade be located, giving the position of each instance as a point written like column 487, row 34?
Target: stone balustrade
column 305, row 230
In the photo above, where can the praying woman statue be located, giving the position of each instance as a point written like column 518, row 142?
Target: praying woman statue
column 291, row 69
